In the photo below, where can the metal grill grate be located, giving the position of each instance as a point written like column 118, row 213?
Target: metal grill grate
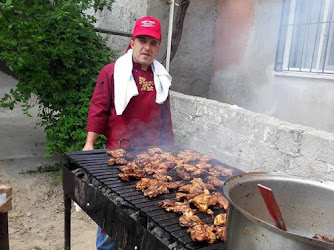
column 95, row 164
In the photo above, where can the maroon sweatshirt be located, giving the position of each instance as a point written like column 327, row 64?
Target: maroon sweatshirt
column 144, row 122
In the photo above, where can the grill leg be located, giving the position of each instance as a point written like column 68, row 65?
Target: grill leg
column 67, row 203
column 4, row 241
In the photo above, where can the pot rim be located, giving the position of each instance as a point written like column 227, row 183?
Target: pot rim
column 235, row 180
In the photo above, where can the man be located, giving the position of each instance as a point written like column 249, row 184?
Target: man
column 131, row 99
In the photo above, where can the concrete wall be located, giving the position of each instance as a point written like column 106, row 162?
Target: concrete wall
column 251, row 141
column 191, row 67
column 122, row 17
column 252, row 84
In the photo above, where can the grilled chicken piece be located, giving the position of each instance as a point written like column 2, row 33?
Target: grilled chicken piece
column 188, row 219
column 118, row 161
column 156, row 188
column 205, row 158
column 143, row 183
column 222, row 202
column 203, row 201
column 202, row 233
column 121, row 161
column 189, row 156
column 218, row 171
column 176, row 207
column 323, row 238
column 181, row 196
column 193, row 170
column 127, row 176
column 153, row 151
column 220, row 220
column 220, row 232
column 111, row 161
column 182, row 174
column 197, row 186
column 175, row 184
column 161, row 177
column 214, row 181
column 119, row 153
column 203, row 165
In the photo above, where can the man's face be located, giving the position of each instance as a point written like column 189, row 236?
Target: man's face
column 145, row 49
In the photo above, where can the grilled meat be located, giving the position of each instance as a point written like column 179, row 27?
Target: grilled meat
column 119, row 153
column 203, row 201
column 188, row 219
column 128, row 176
column 175, row 184
column 211, row 180
column 161, row 177
column 182, row 174
column 222, row 202
column 156, row 188
column 176, row 207
column 323, row 238
column 220, row 220
column 202, row 232
column 197, row 186
column 118, row 161
column 220, row 171
column 111, row 161
column 188, row 156
column 143, row 183
column 153, row 151
column 220, row 232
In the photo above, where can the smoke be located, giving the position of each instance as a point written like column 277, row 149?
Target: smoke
column 251, row 82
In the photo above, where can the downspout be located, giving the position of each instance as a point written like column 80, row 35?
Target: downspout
column 170, row 30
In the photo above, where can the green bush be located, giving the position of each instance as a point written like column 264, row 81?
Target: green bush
column 55, row 53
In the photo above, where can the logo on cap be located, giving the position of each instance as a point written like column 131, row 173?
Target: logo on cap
column 147, row 24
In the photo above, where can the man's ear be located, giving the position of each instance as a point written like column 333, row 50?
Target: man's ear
column 132, row 43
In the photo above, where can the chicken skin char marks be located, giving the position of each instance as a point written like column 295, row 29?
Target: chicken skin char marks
column 153, row 151
column 156, row 188
column 220, row 171
column 222, row 202
column 189, row 219
column 214, row 181
column 177, row 207
column 120, row 153
column 203, row 201
column 117, row 161
column 202, row 232
column 196, row 185
column 220, row 220
column 220, row 232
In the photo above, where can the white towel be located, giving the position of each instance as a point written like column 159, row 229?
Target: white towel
column 125, row 86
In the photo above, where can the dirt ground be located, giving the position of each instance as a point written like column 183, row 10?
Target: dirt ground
column 37, row 218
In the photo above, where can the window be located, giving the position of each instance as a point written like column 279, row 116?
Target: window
column 306, row 37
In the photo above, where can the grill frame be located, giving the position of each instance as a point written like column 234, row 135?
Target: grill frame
column 100, row 207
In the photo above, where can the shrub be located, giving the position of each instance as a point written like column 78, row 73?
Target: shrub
column 56, row 55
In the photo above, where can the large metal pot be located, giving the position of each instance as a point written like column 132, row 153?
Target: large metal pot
column 307, row 208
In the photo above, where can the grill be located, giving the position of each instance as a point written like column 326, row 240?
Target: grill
column 134, row 221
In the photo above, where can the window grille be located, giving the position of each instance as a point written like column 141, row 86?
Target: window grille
column 306, row 37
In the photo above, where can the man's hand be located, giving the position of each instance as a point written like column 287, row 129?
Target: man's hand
column 88, row 147
column 90, row 140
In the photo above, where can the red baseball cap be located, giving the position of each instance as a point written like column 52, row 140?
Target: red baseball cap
column 147, row 26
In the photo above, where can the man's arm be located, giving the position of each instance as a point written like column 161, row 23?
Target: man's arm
column 99, row 109
column 90, row 140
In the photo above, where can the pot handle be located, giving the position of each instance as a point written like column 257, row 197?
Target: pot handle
column 127, row 140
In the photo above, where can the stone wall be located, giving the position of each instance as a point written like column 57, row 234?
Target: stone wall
column 251, row 141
